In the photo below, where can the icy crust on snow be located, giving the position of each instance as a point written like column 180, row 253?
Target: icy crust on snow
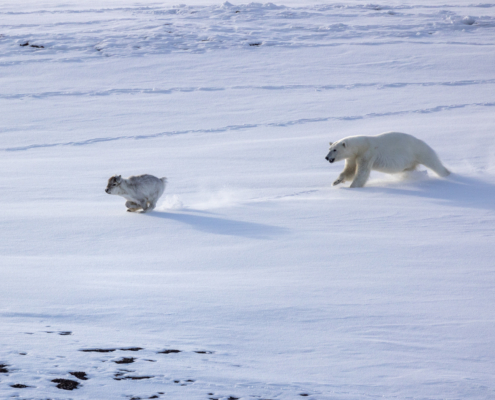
column 156, row 29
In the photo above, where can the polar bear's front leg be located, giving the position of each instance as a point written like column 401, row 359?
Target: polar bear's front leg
column 348, row 173
column 362, row 173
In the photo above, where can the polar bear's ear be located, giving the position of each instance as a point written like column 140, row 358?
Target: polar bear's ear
column 343, row 144
column 331, row 143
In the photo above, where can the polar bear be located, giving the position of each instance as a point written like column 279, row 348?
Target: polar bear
column 390, row 152
column 141, row 192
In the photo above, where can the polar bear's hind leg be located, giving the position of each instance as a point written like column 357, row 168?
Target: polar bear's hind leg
column 411, row 168
column 431, row 160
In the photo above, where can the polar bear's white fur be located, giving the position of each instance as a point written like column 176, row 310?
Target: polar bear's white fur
column 141, row 192
column 390, row 152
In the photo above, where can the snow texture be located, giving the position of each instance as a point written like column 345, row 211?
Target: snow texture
column 253, row 278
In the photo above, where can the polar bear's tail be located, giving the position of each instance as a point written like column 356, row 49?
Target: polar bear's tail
column 164, row 180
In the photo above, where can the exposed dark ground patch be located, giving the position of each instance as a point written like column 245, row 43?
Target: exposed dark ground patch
column 169, row 351
column 98, row 350
column 66, row 384
column 65, row 333
column 122, row 372
column 184, row 383
column 79, row 375
column 134, row 378
column 125, row 360
column 32, row 45
column 19, row 386
column 112, row 350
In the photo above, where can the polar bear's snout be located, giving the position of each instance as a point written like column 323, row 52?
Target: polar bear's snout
column 331, row 156
column 334, row 154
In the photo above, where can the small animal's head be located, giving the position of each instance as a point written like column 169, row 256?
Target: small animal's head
column 113, row 186
column 338, row 151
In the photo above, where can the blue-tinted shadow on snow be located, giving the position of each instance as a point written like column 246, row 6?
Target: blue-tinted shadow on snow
column 223, row 226
column 455, row 190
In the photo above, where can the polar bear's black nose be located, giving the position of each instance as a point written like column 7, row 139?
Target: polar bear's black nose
column 106, row 190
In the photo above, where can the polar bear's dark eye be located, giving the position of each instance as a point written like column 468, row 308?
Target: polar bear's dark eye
column 334, row 149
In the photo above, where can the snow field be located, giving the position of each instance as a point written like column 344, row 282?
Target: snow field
column 285, row 285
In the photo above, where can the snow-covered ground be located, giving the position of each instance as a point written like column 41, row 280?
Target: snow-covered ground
column 272, row 283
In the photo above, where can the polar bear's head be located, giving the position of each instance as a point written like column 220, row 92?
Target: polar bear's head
column 338, row 151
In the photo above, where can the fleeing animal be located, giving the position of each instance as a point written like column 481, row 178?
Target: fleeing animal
column 390, row 152
column 141, row 191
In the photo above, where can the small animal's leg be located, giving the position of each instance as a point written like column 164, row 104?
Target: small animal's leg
column 131, row 206
column 144, row 205
column 348, row 172
column 362, row 175
column 151, row 205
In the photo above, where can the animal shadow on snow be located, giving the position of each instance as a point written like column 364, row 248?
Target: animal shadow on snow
column 456, row 190
column 223, row 226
